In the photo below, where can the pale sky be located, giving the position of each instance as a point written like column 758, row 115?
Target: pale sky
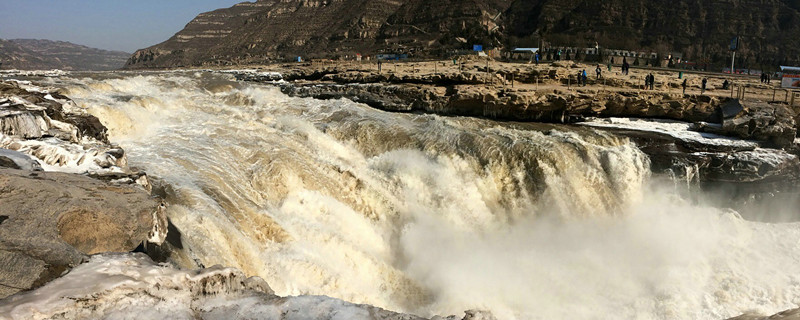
column 123, row 25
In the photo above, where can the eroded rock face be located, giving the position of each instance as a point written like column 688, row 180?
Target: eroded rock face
column 52, row 220
column 479, row 101
column 50, row 128
column 31, row 114
column 773, row 124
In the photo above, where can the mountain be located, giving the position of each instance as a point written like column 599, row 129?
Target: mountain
column 279, row 30
column 30, row 54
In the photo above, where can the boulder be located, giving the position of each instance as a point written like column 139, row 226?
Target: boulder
column 772, row 124
column 51, row 221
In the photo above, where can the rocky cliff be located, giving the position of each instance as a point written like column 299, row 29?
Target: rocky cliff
column 29, row 54
column 270, row 30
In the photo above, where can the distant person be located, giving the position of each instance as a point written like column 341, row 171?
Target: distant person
column 652, row 81
column 611, row 61
column 703, row 86
column 725, row 84
column 684, row 86
column 625, row 66
column 622, row 66
column 599, row 72
column 583, row 77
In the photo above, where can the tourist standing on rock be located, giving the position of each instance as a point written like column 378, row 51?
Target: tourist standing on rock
column 537, row 57
column 703, row 87
column 684, row 86
column 652, row 81
column 725, row 84
column 599, row 72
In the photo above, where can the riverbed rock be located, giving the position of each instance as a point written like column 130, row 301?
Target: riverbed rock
column 50, row 221
column 792, row 314
column 773, row 124
column 34, row 114
column 18, row 118
column 509, row 104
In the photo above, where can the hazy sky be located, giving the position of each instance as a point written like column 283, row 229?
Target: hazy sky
column 124, row 25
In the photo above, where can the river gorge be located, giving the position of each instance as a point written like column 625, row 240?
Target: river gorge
column 430, row 214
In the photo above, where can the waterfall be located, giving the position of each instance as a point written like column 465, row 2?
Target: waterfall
column 433, row 215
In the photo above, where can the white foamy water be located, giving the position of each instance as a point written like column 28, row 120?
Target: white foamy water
column 433, row 215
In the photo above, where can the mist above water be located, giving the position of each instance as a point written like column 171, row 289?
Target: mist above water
column 435, row 215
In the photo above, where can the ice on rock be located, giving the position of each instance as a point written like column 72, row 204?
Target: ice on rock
column 131, row 286
column 677, row 129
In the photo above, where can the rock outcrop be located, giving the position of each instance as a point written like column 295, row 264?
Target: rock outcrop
column 793, row 314
column 51, row 128
column 466, row 93
column 560, row 106
column 31, row 54
column 280, row 30
column 771, row 123
column 52, row 220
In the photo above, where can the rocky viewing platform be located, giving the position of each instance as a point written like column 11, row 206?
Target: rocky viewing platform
column 728, row 134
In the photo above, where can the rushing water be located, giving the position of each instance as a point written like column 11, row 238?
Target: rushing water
column 434, row 215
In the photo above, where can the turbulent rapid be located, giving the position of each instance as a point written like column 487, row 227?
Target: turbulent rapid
column 434, row 215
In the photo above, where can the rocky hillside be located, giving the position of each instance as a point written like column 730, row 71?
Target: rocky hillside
column 700, row 29
column 270, row 30
column 30, row 54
